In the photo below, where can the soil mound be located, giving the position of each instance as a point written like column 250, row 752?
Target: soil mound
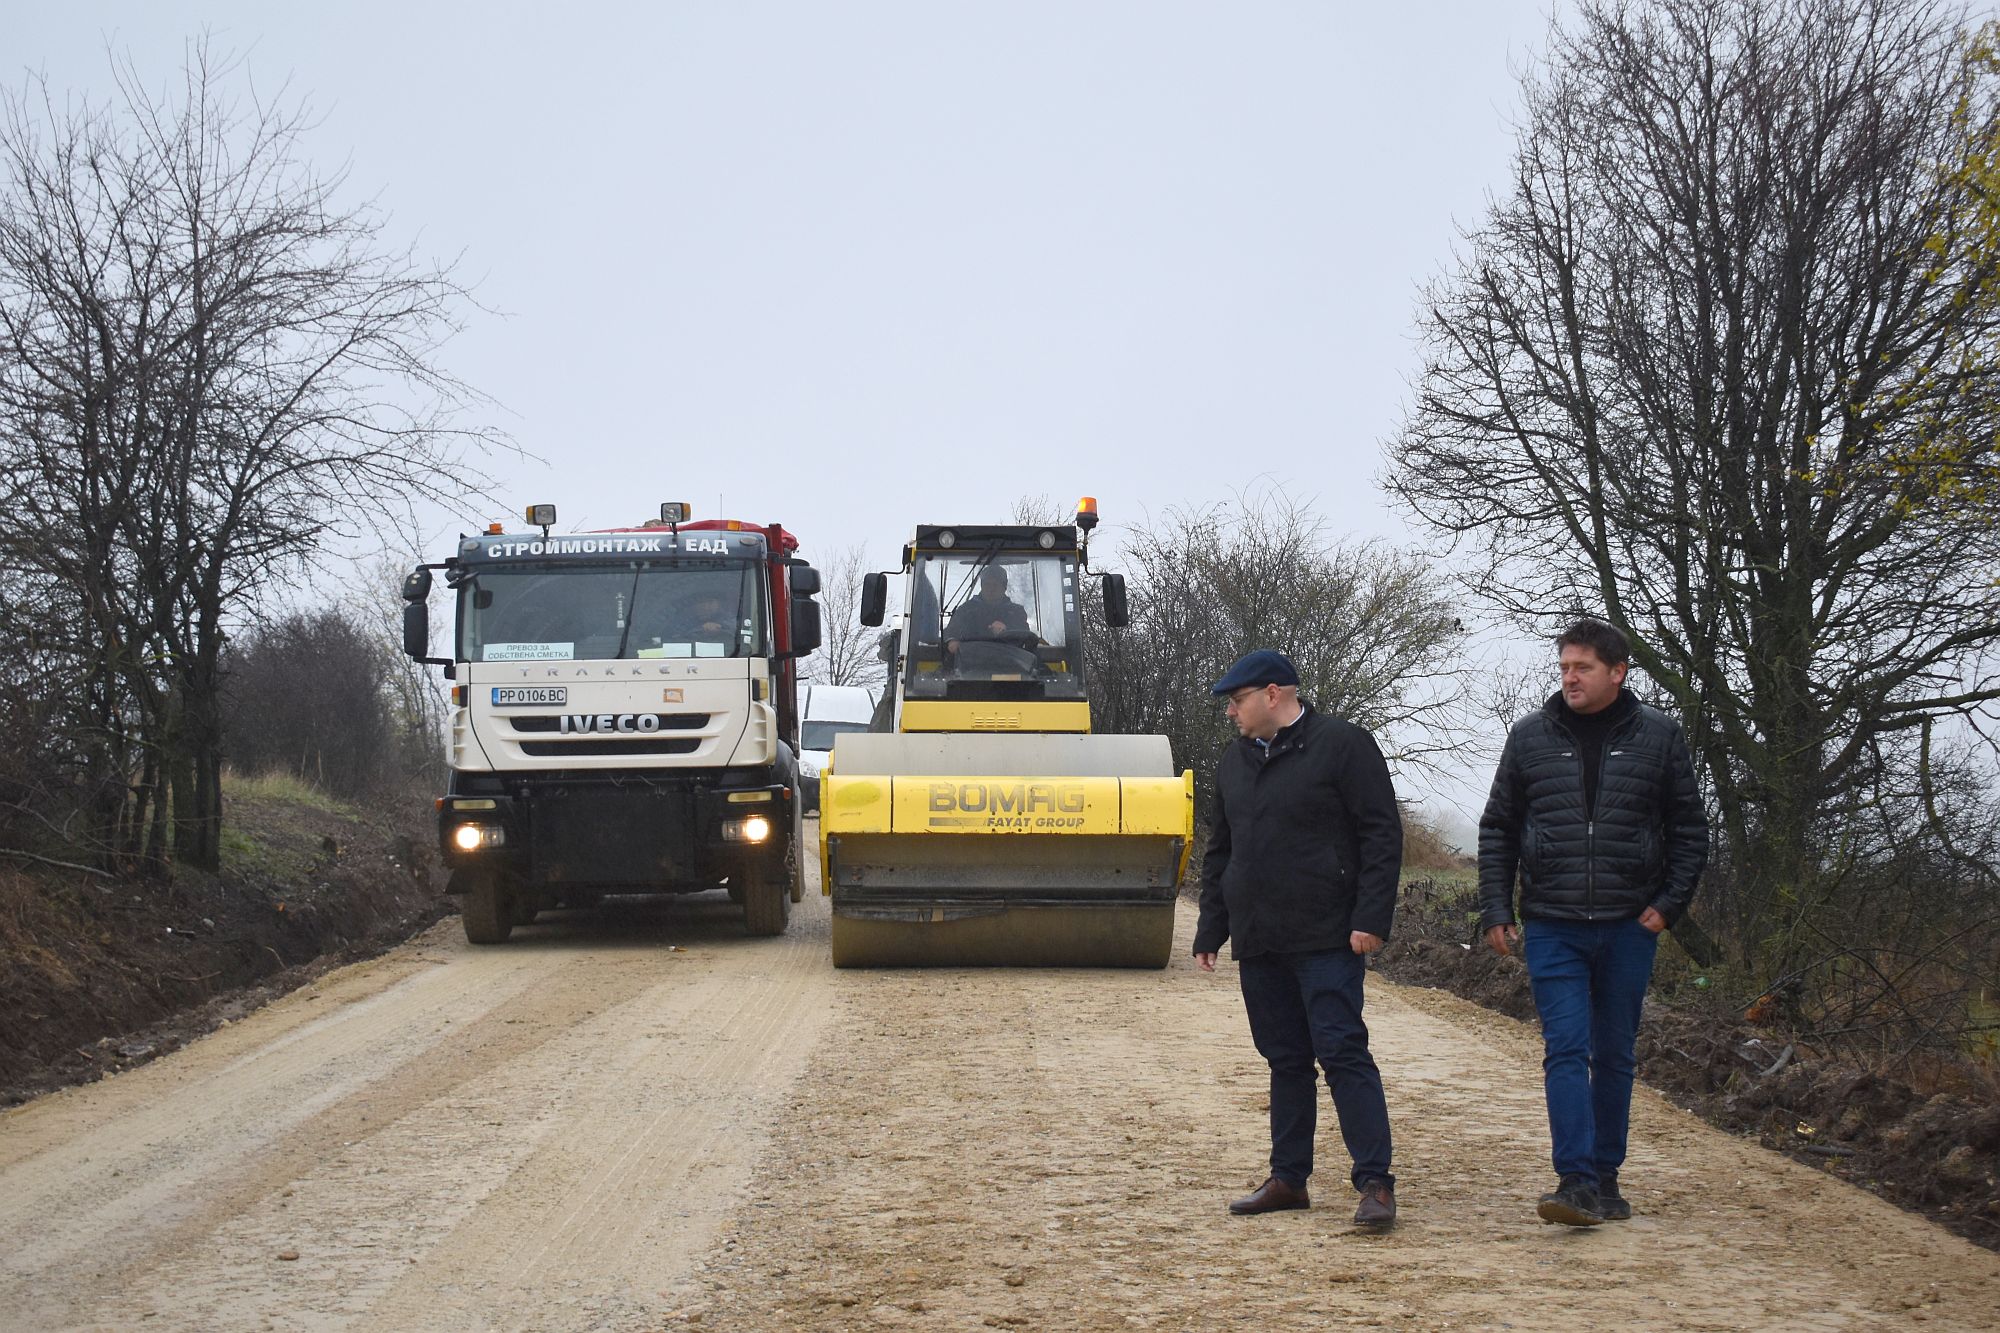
column 99, row 974
column 1930, row 1143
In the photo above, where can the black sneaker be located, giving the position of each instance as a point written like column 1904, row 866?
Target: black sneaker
column 1611, row 1205
column 1574, row 1204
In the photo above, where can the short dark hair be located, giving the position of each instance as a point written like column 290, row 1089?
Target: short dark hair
column 1607, row 641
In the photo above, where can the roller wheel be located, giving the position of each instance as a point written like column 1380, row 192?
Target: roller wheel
column 767, row 901
column 485, row 905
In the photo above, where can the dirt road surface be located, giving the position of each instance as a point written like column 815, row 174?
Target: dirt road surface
column 646, row 1121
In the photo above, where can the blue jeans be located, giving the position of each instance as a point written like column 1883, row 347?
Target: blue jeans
column 1589, row 979
column 1307, row 1006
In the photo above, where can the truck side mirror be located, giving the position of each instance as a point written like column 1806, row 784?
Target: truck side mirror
column 874, row 598
column 1117, row 613
column 417, row 584
column 417, row 624
column 805, row 580
column 805, row 626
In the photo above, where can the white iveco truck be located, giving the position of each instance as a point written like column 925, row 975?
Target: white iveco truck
column 624, row 715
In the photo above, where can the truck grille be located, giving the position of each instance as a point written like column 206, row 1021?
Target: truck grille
column 668, row 722
column 621, row 745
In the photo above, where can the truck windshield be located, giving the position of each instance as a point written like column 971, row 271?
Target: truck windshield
column 592, row 613
column 986, row 625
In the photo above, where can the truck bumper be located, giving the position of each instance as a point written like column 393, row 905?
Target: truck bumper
column 619, row 833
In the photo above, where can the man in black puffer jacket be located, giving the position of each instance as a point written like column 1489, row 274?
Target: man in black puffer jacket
column 1595, row 806
column 1300, row 878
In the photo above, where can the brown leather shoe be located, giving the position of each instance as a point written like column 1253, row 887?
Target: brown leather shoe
column 1378, row 1206
column 1273, row 1196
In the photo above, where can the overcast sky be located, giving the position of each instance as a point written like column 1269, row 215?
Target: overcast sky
column 855, row 266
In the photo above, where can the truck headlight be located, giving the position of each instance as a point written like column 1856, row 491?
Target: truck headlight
column 754, row 829
column 471, row 837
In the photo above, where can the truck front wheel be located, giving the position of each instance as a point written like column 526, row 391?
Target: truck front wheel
column 486, row 906
column 767, row 900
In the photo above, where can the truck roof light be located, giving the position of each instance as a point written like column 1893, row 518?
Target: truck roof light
column 495, row 529
column 676, row 511
column 1086, row 512
column 1046, row 540
column 947, row 539
column 542, row 516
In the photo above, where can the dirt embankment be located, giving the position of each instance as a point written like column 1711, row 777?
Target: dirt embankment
column 1934, row 1149
column 99, row 975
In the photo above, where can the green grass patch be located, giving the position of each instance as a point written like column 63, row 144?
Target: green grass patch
column 283, row 789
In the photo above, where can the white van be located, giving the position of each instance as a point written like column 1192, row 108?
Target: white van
column 826, row 711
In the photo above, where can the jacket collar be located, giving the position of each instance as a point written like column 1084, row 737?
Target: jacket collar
column 1624, row 706
column 1292, row 736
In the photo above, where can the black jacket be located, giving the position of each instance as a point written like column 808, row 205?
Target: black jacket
column 1643, row 846
column 1306, row 843
column 975, row 616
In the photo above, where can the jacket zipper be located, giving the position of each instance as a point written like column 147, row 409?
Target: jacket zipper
column 1590, row 818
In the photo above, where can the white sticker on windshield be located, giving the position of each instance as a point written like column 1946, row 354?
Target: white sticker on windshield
column 528, row 652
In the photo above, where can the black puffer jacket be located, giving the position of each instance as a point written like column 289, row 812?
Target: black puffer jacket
column 1643, row 846
column 1306, row 845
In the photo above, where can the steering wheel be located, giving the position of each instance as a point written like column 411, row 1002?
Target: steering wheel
column 996, row 654
column 1013, row 638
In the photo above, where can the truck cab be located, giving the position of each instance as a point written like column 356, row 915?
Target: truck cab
column 624, row 715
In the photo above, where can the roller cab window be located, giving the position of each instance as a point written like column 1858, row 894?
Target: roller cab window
column 991, row 626
column 605, row 612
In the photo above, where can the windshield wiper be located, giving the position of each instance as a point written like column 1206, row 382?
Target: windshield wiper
column 971, row 580
column 631, row 614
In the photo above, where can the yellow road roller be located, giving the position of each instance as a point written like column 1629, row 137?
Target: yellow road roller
column 980, row 823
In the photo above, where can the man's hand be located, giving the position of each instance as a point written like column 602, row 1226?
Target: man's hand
column 1652, row 920
column 998, row 627
column 1501, row 936
column 1205, row 961
column 1362, row 942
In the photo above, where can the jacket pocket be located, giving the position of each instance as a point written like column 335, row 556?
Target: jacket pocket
column 1651, row 861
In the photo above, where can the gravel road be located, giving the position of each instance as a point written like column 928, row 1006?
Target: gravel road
column 644, row 1120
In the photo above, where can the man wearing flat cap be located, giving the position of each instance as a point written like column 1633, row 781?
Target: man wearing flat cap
column 1304, row 853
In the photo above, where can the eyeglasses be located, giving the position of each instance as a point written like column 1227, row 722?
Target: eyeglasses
column 1236, row 697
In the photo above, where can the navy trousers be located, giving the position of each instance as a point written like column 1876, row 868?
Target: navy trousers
column 1306, row 1007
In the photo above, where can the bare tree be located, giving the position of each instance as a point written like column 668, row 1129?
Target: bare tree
column 849, row 653
column 1372, row 630
column 209, row 368
column 1688, row 374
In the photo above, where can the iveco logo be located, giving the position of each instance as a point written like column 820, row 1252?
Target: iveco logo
column 575, row 724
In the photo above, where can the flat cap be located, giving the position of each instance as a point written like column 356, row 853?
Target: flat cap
column 1265, row 666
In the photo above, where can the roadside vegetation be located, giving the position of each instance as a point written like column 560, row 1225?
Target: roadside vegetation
column 1719, row 362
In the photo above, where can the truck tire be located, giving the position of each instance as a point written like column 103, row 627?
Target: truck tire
column 487, row 909
column 767, row 901
column 795, row 864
